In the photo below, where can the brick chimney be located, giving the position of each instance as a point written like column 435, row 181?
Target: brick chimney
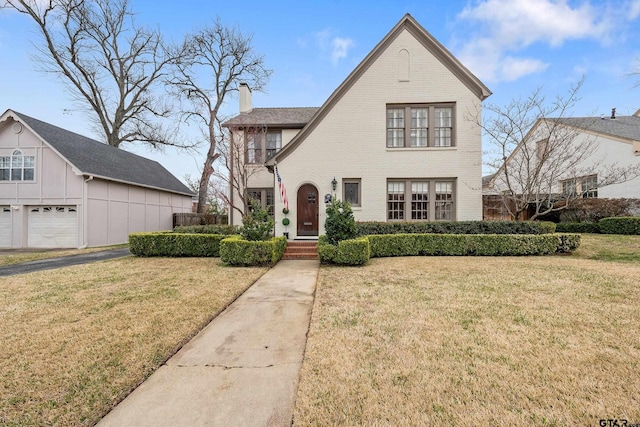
column 246, row 104
column 613, row 113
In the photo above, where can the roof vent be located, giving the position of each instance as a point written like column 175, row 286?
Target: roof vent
column 17, row 128
column 613, row 113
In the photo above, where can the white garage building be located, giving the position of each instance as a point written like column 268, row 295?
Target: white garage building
column 59, row 189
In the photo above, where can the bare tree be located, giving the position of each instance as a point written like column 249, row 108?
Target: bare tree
column 219, row 58
column 236, row 172
column 217, row 200
column 111, row 65
column 533, row 153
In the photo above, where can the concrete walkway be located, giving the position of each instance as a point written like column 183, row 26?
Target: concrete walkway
column 240, row 370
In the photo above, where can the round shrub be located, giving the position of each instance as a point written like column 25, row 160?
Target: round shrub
column 340, row 224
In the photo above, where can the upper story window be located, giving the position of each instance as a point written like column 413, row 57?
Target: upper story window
column 420, row 125
column 585, row 187
column 261, row 145
column 17, row 167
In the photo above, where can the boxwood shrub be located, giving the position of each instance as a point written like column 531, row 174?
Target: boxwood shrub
column 456, row 227
column 620, row 225
column 236, row 251
column 470, row 244
column 207, row 229
column 577, row 227
column 166, row 243
column 346, row 252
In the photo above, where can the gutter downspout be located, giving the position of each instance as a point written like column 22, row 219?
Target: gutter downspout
column 85, row 226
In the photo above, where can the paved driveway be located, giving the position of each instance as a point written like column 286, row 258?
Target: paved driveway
column 65, row 261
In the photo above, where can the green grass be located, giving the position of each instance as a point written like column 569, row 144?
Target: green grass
column 610, row 248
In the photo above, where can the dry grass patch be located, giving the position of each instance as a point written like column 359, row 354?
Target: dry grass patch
column 75, row 341
column 473, row 341
column 11, row 257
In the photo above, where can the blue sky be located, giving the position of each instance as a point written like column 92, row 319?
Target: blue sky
column 513, row 46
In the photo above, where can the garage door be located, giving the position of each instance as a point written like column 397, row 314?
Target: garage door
column 53, row 227
column 5, row 227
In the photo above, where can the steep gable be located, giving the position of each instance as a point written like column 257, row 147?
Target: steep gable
column 407, row 23
column 91, row 157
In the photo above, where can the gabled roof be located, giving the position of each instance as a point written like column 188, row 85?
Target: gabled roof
column 428, row 41
column 91, row 157
column 295, row 117
column 625, row 127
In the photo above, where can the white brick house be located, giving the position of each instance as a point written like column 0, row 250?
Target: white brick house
column 392, row 139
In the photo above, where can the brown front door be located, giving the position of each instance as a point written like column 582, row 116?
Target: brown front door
column 308, row 210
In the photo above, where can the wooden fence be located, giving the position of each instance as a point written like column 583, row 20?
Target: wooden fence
column 188, row 218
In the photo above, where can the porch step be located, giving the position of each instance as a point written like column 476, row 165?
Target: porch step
column 301, row 250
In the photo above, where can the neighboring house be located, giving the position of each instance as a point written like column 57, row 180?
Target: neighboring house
column 59, row 189
column 391, row 139
column 613, row 143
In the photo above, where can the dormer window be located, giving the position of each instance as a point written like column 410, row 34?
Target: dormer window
column 17, row 167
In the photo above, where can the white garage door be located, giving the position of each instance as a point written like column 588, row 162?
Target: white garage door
column 5, row 227
column 53, row 227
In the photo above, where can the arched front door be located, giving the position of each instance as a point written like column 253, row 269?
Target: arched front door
column 308, row 210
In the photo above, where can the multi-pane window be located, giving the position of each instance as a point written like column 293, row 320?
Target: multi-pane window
column 395, row 127
column 351, row 191
column 261, row 145
column 430, row 199
column 395, row 200
column 585, row 187
column 264, row 197
column 420, row 125
column 443, row 127
column 420, row 200
column 589, row 186
column 444, row 200
column 17, row 167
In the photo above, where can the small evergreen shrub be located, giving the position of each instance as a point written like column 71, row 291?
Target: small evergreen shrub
column 257, row 225
column 175, row 244
column 340, row 223
column 346, row 252
column 620, row 225
column 568, row 243
column 237, row 251
column 577, row 227
column 207, row 229
column 455, row 227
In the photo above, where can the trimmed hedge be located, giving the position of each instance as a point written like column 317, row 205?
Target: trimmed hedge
column 620, row 225
column 239, row 252
column 166, row 243
column 464, row 244
column 207, row 229
column 578, row 227
column 346, row 252
column 455, row 227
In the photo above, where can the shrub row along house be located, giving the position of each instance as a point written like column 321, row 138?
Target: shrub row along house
column 391, row 140
column 59, row 189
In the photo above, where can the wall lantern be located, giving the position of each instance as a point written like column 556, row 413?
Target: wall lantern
column 334, row 184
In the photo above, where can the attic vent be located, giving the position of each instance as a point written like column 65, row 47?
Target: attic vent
column 17, row 128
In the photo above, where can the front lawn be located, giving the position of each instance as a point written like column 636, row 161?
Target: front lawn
column 543, row 341
column 77, row 340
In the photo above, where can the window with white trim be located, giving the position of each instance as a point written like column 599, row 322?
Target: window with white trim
column 17, row 167
column 585, row 187
column 430, row 200
column 420, row 125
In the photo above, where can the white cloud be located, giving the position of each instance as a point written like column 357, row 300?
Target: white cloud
column 340, row 48
column 509, row 26
column 332, row 46
column 634, row 10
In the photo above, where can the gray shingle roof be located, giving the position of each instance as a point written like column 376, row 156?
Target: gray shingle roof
column 95, row 158
column 622, row 126
column 278, row 117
